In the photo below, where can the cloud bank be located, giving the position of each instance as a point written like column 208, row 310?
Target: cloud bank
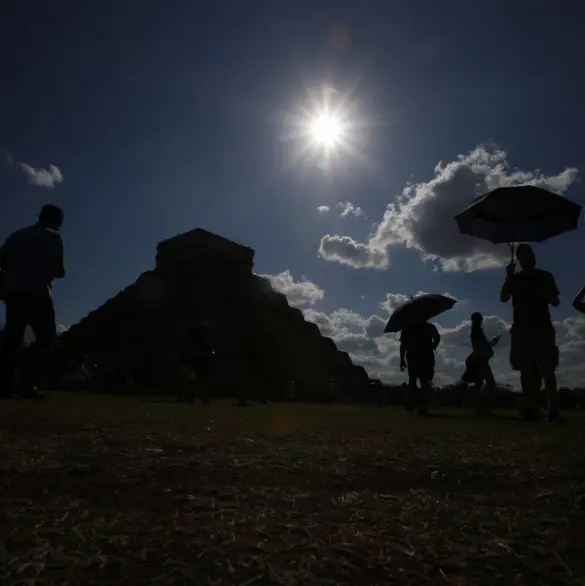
column 363, row 338
column 422, row 216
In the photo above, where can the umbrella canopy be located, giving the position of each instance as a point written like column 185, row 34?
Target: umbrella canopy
column 418, row 310
column 522, row 213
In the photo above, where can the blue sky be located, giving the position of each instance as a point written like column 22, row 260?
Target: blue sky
column 162, row 117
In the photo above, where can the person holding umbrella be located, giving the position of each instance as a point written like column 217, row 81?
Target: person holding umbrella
column 418, row 343
column 533, row 349
column 526, row 213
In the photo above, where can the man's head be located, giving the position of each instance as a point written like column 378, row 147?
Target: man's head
column 51, row 216
column 526, row 257
column 476, row 318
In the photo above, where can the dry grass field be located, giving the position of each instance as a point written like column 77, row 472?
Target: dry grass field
column 107, row 490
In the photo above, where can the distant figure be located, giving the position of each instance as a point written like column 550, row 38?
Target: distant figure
column 478, row 370
column 180, row 377
column 417, row 352
column 333, row 392
column 579, row 301
column 197, row 352
column 533, row 349
column 29, row 260
column 291, row 391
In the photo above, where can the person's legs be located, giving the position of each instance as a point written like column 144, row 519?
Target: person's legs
column 42, row 323
column 477, row 394
column 530, row 382
column 410, row 401
column 426, row 373
column 202, row 370
column 489, row 388
column 483, row 392
column 10, row 345
column 523, row 358
column 424, row 394
column 548, row 361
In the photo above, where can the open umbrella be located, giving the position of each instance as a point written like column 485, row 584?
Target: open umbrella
column 418, row 310
column 522, row 213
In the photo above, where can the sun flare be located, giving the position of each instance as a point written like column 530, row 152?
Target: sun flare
column 326, row 130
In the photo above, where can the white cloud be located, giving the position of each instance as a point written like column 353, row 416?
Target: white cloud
column 422, row 216
column 347, row 251
column 301, row 292
column 348, row 208
column 40, row 177
column 61, row 329
column 323, row 209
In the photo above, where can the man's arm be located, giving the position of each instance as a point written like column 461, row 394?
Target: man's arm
column 436, row 337
column 578, row 302
column 554, row 293
column 58, row 263
column 402, row 354
column 506, row 291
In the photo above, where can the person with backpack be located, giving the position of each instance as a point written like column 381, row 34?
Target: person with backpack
column 478, row 370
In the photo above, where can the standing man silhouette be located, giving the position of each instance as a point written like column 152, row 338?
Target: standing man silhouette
column 30, row 259
column 418, row 343
column 533, row 349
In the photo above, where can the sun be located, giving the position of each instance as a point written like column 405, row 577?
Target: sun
column 326, row 129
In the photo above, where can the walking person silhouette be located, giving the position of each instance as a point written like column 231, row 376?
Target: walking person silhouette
column 478, row 370
column 533, row 349
column 30, row 259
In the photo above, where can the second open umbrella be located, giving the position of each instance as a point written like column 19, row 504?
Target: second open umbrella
column 418, row 310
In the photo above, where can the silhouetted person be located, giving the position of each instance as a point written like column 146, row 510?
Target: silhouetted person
column 332, row 392
column 579, row 301
column 533, row 349
column 417, row 352
column 478, row 365
column 197, row 352
column 30, row 259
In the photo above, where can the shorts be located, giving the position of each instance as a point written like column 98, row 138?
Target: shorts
column 421, row 367
column 534, row 349
column 34, row 311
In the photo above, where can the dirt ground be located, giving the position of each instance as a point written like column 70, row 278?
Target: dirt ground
column 104, row 490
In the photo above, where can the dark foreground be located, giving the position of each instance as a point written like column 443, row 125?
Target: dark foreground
column 97, row 490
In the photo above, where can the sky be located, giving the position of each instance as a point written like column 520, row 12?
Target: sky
column 146, row 119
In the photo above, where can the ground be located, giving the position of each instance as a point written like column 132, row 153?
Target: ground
column 105, row 490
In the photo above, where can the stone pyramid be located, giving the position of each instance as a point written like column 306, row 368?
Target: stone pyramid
column 202, row 277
